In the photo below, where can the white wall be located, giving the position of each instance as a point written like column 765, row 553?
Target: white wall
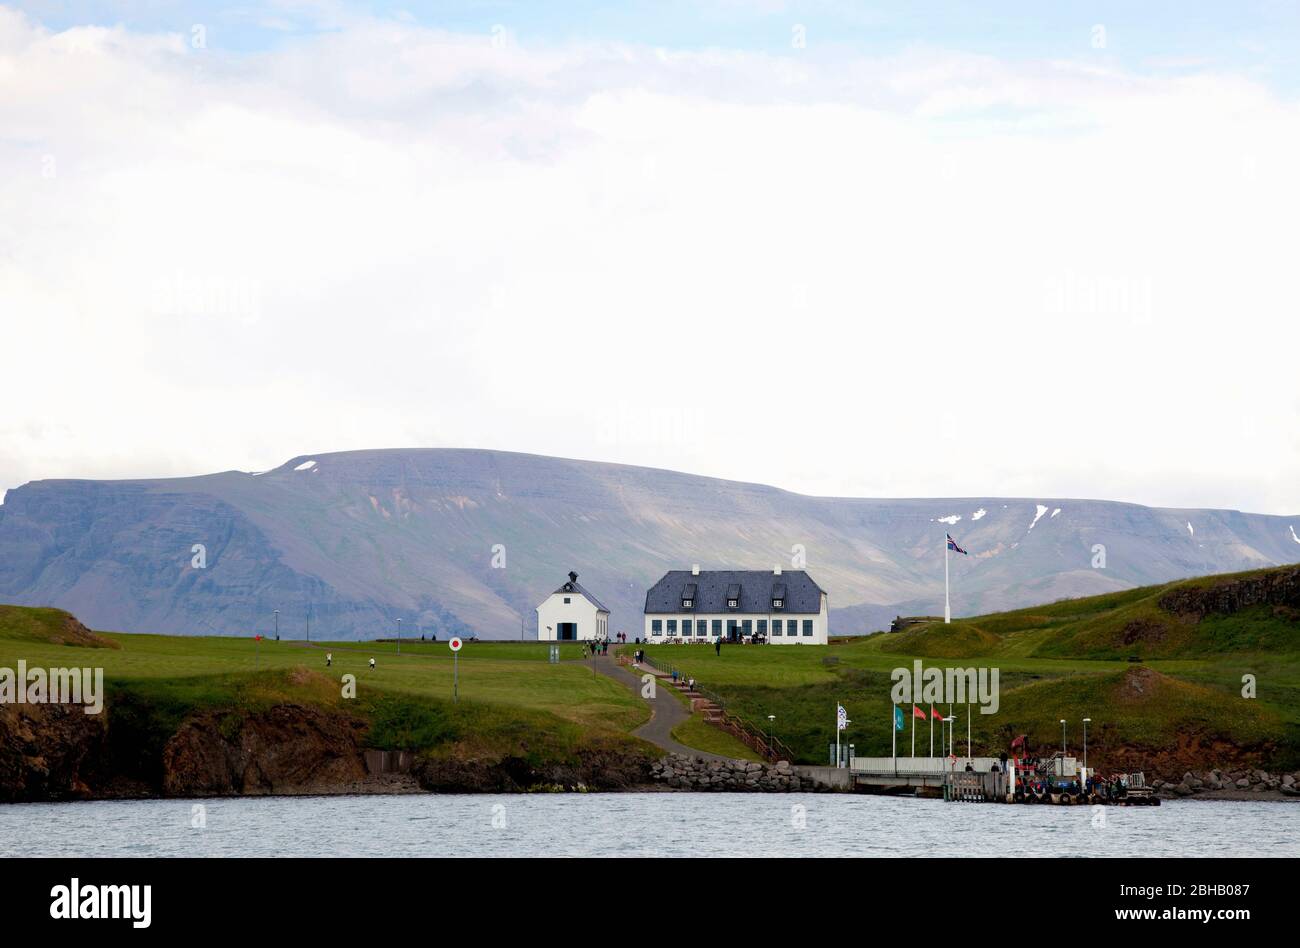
column 820, row 621
column 592, row 623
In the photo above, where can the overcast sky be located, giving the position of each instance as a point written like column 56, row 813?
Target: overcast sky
column 915, row 252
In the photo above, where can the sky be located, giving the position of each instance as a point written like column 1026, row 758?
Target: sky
column 885, row 250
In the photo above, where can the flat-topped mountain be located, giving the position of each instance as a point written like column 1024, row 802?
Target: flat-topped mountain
column 470, row 541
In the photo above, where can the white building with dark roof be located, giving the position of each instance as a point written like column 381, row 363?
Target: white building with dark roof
column 779, row 608
column 571, row 614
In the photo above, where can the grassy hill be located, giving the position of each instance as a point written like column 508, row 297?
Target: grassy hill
column 1158, row 670
column 513, row 704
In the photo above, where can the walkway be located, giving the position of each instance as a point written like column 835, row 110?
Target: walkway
column 666, row 709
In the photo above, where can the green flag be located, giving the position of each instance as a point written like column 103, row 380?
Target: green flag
column 898, row 718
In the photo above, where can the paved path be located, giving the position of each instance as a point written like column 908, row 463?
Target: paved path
column 666, row 709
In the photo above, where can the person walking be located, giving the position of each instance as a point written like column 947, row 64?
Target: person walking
column 372, row 664
column 717, row 646
column 329, row 659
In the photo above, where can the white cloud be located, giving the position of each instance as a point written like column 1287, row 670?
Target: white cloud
column 390, row 236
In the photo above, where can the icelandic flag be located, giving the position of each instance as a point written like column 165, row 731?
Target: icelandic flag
column 898, row 718
column 841, row 717
column 952, row 545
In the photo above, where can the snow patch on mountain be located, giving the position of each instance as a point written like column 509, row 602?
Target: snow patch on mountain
column 950, row 519
column 1293, row 536
column 1038, row 516
column 305, row 466
column 1191, row 531
column 1056, row 511
column 978, row 514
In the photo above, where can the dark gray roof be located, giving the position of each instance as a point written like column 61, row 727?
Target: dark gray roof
column 802, row 595
column 573, row 586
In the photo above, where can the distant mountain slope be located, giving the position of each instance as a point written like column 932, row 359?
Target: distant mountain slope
column 353, row 541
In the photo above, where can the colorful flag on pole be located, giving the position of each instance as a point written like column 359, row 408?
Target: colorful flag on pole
column 918, row 713
column 952, row 545
column 1018, row 741
column 841, row 717
column 935, row 714
column 898, row 718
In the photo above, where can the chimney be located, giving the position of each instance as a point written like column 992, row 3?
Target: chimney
column 573, row 577
column 695, row 569
column 776, row 570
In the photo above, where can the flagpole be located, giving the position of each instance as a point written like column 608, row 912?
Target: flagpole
column 931, row 730
column 893, row 733
column 837, row 735
column 947, row 608
column 968, row 729
column 952, row 727
column 913, row 732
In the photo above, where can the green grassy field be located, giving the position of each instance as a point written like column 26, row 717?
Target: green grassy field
column 1157, row 686
column 1160, row 685
column 511, row 699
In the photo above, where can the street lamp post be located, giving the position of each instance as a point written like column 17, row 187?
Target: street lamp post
column 1062, row 737
column 277, row 625
column 771, row 730
column 399, row 636
column 1085, row 744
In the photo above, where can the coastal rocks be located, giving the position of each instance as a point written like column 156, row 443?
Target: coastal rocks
column 591, row 769
column 49, row 751
column 286, row 749
column 1231, row 784
column 692, row 773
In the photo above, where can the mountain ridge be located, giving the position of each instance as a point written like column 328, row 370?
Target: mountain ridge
column 356, row 539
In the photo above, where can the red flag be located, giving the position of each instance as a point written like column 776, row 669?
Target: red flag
column 1018, row 741
column 935, row 714
column 918, row 713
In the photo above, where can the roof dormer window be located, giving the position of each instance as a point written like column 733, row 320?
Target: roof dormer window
column 778, row 596
column 688, row 596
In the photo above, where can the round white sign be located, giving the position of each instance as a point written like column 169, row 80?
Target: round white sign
column 455, row 643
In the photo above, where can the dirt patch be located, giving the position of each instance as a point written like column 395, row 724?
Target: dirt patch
column 1146, row 631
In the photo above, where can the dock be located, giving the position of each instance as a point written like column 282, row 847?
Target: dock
column 992, row 780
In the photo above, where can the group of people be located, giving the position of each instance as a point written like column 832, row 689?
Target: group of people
column 594, row 647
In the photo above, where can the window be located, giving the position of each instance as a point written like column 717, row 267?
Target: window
column 566, row 600
column 778, row 603
column 656, row 626
column 807, row 627
column 746, row 627
column 762, row 627
column 686, row 627
column 687, row 603
column 717, row 626
column 733, row 596
column 776, row 626
column 672, row 626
